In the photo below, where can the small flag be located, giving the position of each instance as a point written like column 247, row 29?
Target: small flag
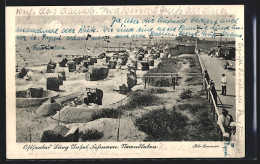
column 89, row 36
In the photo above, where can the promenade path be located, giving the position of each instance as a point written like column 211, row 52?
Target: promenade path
column 215, row 67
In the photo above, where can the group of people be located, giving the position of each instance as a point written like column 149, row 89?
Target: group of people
column 214, row 52
column 226, row 124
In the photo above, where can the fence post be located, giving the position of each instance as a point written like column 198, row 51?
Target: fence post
column 214, row 113
column 206, row 88
column 30, row 134
column 171, row 80
column 174, row 82
column 211, row 106
column 205, row 84
column 117, row 138
column 144, row 82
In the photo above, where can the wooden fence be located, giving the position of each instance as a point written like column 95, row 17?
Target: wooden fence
column 210, row 97
column 172, row 76
column 213, row 106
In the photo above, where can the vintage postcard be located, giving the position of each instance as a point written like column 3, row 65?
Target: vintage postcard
column 162, row 81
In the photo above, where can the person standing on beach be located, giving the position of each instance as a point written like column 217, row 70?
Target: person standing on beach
column 217, row 54
column 213, row 91
column 206, row 79
column 28, row 93
column 223, row 84
column 224, row 121
column 206, row 75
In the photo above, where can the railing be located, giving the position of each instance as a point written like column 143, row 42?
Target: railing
column 210, row 97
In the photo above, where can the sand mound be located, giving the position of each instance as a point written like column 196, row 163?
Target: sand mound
column 38, row 68
column 26, row 102
column 109, row 127
column 75, row 114
column 29, row 102
column 48, row 108
column 22, row 82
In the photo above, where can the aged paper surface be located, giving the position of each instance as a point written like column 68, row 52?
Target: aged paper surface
column 125, row 82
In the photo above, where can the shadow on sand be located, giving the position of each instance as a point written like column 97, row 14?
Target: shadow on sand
column 231, row 95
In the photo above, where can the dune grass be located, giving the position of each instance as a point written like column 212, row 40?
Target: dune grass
column 194, row 65
column 91, row 134
column 171, row 65
column 106, row 113
column 189, row 121
column 201, row 125
column 185, row 94
column 157, row 90
column 194, row 80
column 162, row 125
column 141, row 98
